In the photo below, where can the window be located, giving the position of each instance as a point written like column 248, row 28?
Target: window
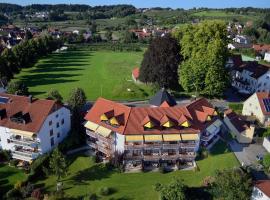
column 264, row 84
column 58, row 135
column 57, row 125
column 50, row 123
column 56, row 115
column 51, row 132
column 52, row 141
column 62, row 121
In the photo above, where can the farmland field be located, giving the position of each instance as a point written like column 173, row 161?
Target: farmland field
column 99, row 73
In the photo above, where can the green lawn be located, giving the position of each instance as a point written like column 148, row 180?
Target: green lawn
column 85, row 177
column 99, row 73
column 236, row 107
column 8, row 177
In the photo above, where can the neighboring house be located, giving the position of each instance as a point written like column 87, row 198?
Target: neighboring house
column 162, row 99
column 250, row 77
column 266, row 143
column 261, row 48
column 243, row 131
column 241, row 39
column 258, row 105
column 267, row 56
column 136, row 74
column 31, row 127
column 149, row 136
column 233, row 46
column 261, row 190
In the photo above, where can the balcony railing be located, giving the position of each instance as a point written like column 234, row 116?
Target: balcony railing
column 133, row 157
column 91, row 144
column 25, row 142
column 91, row 133
column 24, row 155
column 171, row 146
column 104, row 150
column 187, row 145
column 151, row 146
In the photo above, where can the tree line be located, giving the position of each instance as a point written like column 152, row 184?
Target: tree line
column 193, row 58
column 25, row 55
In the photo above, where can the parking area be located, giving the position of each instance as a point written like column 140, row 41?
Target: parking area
column 246, row 154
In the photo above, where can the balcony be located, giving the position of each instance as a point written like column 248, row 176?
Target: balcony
column 151, row 146
column 91, row 144
column 188, row 145
column 91, row 133
column 104, row 150
column 171, row 146
column 152, row 157
column 170, row 156
column 24, row 155
column 24, row 142
column 104, row 140
column 133, row 146
column 133, row 157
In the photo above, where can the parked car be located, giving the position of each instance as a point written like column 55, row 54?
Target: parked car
column 259, row 157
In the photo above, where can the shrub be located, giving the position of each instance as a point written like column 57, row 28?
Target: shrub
column 5, row 155
column 18, row 185
column 13, row 162
column 13, row 194
column 105, row 191
column 27, row 190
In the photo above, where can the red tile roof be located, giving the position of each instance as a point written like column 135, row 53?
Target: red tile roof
column 136, row 72
column 238, row 121
column 264, row 186
column 136, row 117
column 38, row 110
column 261, row 96
column 261, row 47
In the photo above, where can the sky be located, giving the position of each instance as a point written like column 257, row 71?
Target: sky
column 186, row 4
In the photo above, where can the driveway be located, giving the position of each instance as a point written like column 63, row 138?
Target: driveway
column 246, row 154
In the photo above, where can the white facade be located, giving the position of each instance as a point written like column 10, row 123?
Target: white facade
column 54, row 129
column 257, row 194
column 240, row 39
column 245, row 83
column 267, row 56
column 252, row 107
column 266, row 143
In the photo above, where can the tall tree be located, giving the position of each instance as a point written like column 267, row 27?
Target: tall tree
column 232, row 184
column 54, row 94
column 176, row 190
column 160, row 62
column 204, row 48
column 77, row 98
column 58, row 164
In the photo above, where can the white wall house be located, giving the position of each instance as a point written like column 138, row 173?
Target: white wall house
column 251, row 77
column 258, row 105
column 261, row 190
column 241, row 39
column 267, row 56
column 266, row 143
column 31, row 127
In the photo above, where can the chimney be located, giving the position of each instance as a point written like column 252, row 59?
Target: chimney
column 30, row 98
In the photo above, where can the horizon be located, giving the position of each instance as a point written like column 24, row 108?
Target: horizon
column 188, row 4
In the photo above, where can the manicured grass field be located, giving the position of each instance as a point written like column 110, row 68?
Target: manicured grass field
column 99, row 73
column 8, row 177
column 86, row 177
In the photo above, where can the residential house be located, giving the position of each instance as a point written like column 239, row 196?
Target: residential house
column 258, row 105
column 235, row 45
column 261, row 48
column 250, row 77
column 31, row 127
column 266, row 143
column 242, row 130
column 241, row 39
column 267, row 56
column 149, row 136
column 261, row 190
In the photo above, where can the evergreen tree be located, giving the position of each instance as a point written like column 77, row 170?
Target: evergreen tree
column 17, row 87
column 58, row 164
column 54, row 94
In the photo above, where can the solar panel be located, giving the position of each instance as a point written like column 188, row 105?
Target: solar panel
column 266, row 103
column 3, row 100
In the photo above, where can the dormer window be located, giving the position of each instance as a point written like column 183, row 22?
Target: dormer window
column 167, row 122
column 3, row 113
column 149, row 122
column 185, row 124
column 103, row 117
column 21, row 118
column 106, row 116
column 114, row 122
column 208, row 118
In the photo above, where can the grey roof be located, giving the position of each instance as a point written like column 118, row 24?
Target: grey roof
column 161, row 96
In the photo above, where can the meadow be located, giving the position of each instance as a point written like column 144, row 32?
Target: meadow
column 99, row 73
column 86, row 177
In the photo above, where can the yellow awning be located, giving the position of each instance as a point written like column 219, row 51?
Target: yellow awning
column 189, row 136
column 90, row 125
column 23, row 133
column 171, row 137
column 103, row 131
column 151, row 138
column 134, row 138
